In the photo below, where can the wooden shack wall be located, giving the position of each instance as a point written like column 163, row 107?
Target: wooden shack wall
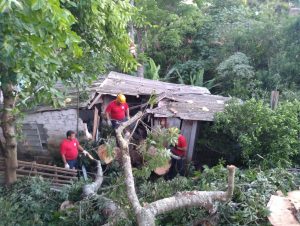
column 189, row 129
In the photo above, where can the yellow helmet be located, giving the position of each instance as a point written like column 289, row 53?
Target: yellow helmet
column 121, row 98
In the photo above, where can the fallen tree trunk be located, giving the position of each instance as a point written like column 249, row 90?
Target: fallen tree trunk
column 145, row 215
column 110, row 209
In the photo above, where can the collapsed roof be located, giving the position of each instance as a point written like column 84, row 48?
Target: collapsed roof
column 174, row 100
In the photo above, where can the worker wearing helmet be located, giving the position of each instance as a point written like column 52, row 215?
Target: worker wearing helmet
column 117, row 111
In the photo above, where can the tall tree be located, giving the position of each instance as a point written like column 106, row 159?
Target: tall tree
column 36, row 38
column 39, row 46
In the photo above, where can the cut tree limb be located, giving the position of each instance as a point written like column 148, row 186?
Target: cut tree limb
column 146, row 215
column 110, row 208
column 91, row 189
column 193, row 198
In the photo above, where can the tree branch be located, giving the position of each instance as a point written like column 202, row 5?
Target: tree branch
column 129, row 180
column 92, row 188
column 120, row 129
column 193, row 198
column 110, row 208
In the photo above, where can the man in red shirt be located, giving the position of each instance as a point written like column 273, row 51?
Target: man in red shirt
column 117, row 111
column 178, row 154
column 69, row 150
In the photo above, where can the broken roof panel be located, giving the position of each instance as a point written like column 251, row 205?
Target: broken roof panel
column 190, row 106
column 130, row 85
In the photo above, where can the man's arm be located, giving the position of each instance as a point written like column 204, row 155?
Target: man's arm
column 62, row 153
column 80, row 148
column 64, row 158
column 127, row 113
column 84, row 152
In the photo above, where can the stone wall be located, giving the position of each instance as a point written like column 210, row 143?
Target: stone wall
column 56, row 124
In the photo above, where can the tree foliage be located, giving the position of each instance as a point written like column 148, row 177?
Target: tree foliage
column 266, row 137
column 184, row 39
column 36, row 41
column 30, row 201
column 236, row 76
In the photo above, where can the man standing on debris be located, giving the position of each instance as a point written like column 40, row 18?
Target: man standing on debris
column 178, row 154
column 69, row 150
column 117, row 111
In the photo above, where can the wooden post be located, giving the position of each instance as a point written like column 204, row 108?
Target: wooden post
column 55, row 176
column 274, row 99
column 96, row 123
column 34, row 168
column 193, row 141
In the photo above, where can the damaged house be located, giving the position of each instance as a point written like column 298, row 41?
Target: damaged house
column 178, row 105
column 182, row 106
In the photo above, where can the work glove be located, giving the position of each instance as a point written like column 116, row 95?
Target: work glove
column 174, row 156
column 109, row 123
column 84, row 152
column 67, row 166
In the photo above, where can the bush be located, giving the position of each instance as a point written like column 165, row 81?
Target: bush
column 266, row 137
column 236, row 76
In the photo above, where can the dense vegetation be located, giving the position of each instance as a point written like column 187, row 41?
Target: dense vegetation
column 31, row 202
column 246, row 48
column 238, row 48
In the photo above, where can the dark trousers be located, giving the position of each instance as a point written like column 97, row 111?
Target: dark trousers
column 73, row 163
column 177, row 166
column 116, row 123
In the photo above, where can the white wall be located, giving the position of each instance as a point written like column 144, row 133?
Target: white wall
column 56, row 123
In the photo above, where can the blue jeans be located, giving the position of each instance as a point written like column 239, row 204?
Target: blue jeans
column 116, row 123
column 73, row 163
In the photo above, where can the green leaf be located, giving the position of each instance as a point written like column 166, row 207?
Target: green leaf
column 37, row 4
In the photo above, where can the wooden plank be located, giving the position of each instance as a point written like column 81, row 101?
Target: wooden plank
column 30, row 172
column 47, row 167
column 55, row 181
column 98, row 96
column 186, row 131
column 193, row 140
column 95, row 123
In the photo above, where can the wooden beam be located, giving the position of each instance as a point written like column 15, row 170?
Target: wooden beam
column 96, row 99
column 96, row 123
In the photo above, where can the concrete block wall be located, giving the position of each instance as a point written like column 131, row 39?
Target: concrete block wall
column 56, row 124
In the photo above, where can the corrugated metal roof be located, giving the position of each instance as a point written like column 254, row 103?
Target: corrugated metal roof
column 130, row 85
column 190, row 106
